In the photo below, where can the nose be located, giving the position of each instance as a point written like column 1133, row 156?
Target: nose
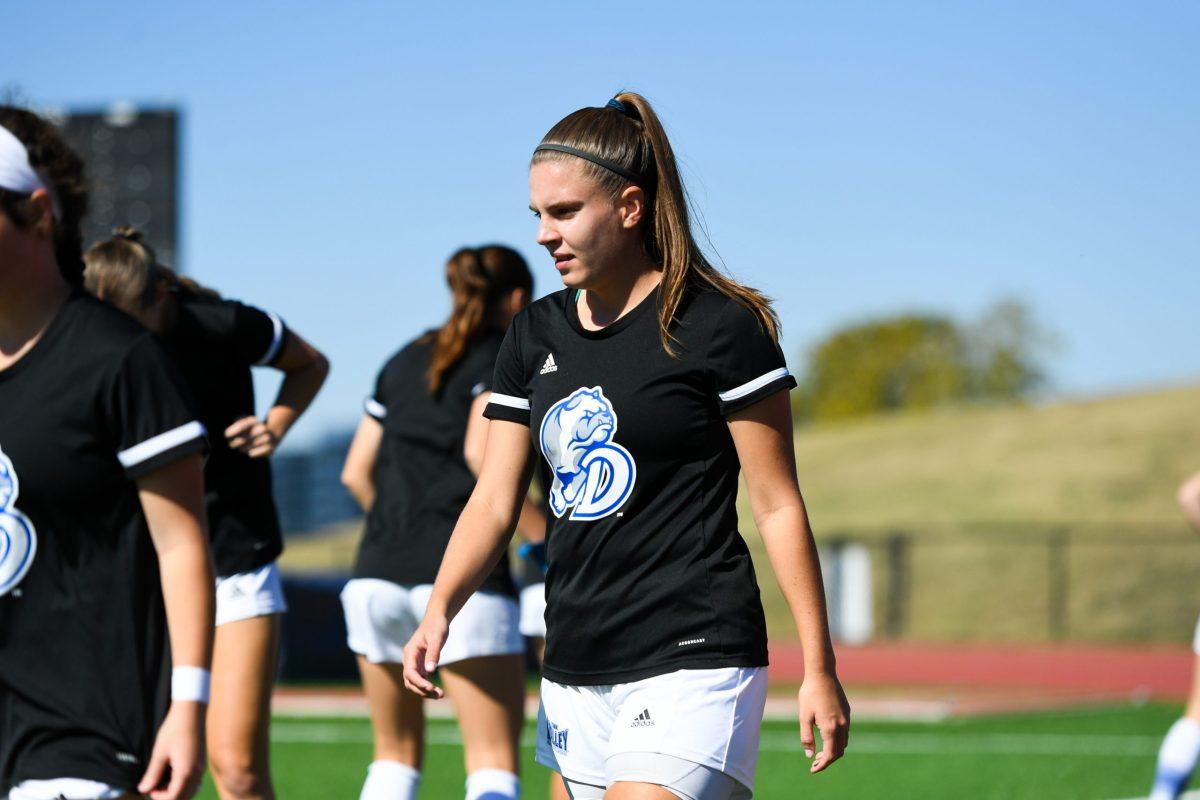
column 546, row 235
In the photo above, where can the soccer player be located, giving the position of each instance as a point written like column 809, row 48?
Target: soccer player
column 101, row 515
column 1180, row 749
column 411, row 466
column 216, row 341
column 646, row 384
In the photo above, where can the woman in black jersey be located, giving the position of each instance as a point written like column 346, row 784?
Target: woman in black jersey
column 647, row 385
column 106, row 591
column 412, row 466
column 215, row 342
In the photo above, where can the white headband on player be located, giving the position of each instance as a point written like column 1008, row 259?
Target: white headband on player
column 16, row 174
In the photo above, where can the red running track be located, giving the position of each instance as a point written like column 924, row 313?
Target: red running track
column 1162, row 671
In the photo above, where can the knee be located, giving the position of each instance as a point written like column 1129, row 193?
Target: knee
column 237, row 774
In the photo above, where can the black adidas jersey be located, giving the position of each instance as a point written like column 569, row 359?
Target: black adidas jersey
column 84, row 655
column 648, row 573
column 422, row 481
column 216, row 341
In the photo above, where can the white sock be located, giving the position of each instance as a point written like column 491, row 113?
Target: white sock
column 1176, row 759
column 493, row 784
column 390, row 780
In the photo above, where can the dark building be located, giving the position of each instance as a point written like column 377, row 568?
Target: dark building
column 132, row 157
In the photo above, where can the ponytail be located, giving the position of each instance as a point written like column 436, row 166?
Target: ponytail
column 624, row 140
column 478, row 278
column 125, row 272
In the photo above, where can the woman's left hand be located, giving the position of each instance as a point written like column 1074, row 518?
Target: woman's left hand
column 251, row 436
column 824, row 704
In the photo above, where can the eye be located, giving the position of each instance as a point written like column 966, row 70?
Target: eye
column 536, row 214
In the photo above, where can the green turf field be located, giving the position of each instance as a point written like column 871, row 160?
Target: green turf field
column 1097, row 754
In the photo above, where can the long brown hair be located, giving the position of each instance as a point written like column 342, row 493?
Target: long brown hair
column 631, row 137
column 124, row 271
column 62, row 170
column 479, row 278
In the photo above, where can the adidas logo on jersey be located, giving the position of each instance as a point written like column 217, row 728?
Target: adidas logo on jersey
column 549, row 366
column 643, row 720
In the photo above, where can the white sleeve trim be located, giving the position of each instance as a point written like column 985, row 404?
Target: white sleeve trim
column 160, row 444
column 276, row 341
column 509, row 400
column 754, row 385
column 375, row 408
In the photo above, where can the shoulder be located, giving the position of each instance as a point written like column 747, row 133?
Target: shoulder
column 544, row 309
column 103, row 333
column 416, row 354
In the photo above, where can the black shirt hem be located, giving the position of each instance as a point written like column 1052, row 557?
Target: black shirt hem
column 567, row 678
column 784, row 383
column 497, row 411
column 170, row 456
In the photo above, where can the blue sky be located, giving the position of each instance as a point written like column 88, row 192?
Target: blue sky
column 850, row 159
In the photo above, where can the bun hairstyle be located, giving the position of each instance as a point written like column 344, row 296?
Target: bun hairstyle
column 62, row 170
column 124, row 271
column 624, row 142
column 479, row 278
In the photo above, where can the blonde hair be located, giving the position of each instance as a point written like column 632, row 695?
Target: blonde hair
column 124, row 271
column 628, row 134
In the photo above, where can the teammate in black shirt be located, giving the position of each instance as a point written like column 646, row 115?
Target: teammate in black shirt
column 215, row 341
column 647, row 385
column 101, row 515
column 412, row 466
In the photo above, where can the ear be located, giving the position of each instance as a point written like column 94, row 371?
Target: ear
column 42, row 214
column 517, row 299
column 631, row 206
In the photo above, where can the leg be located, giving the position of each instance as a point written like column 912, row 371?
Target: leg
column 489, row 696
column 398, row 722
column 558, row 789
column 1180, row 748
column 638, row 791
column 245, row 657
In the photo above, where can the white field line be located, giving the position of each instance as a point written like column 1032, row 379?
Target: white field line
column 1008, row 744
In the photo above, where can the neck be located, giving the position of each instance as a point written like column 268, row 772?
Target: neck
column 608, row 300
column 29, row 301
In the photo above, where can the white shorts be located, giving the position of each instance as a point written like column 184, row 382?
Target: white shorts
column 257, row 593
column 710, row 717
column 382, row 616
column 533, row 611
column 65, row 787
column 1196, row 639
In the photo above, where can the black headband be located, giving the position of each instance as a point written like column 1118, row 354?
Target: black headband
column 632, row 177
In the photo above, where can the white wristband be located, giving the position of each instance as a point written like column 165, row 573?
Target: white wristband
column 190, row 684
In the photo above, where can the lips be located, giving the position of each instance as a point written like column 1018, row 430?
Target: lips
column 561, row 261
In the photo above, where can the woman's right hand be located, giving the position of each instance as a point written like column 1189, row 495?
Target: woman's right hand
column 421, row 656
column 178, row 756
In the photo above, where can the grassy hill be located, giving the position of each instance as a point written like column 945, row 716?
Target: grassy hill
column 1038, row 522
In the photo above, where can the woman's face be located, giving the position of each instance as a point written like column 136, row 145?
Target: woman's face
column 587, row 231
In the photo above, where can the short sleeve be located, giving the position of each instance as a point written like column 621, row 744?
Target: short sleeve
column 375, row 406
column 510, row 395
column 745, row 362
column 149, row 413
column 248, row 335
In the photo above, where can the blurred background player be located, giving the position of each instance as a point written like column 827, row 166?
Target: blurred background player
column 105, row 578
column 647, row 385
column 412, row 466
column 1180, row 749
column 216, row 341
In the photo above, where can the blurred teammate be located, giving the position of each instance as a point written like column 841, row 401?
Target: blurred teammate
column 215, row 341
column 412, row 466
column 647, row 385
column 101, row 515
column 1180, row 749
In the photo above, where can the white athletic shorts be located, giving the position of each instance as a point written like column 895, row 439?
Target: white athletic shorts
column 382, row 616
column 709, row 717
column 533, row 611
column 1196, row 639
column 257, row 593
column 65, row 787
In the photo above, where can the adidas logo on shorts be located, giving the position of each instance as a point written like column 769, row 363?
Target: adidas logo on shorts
column 549, row 366
column 643, row 720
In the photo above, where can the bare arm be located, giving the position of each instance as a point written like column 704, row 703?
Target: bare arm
column 305, row 370
column 358, row 471
column 762, row 435
column 172, row 499
column 483, row 531
column 1189, row 500
column 531, row 523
